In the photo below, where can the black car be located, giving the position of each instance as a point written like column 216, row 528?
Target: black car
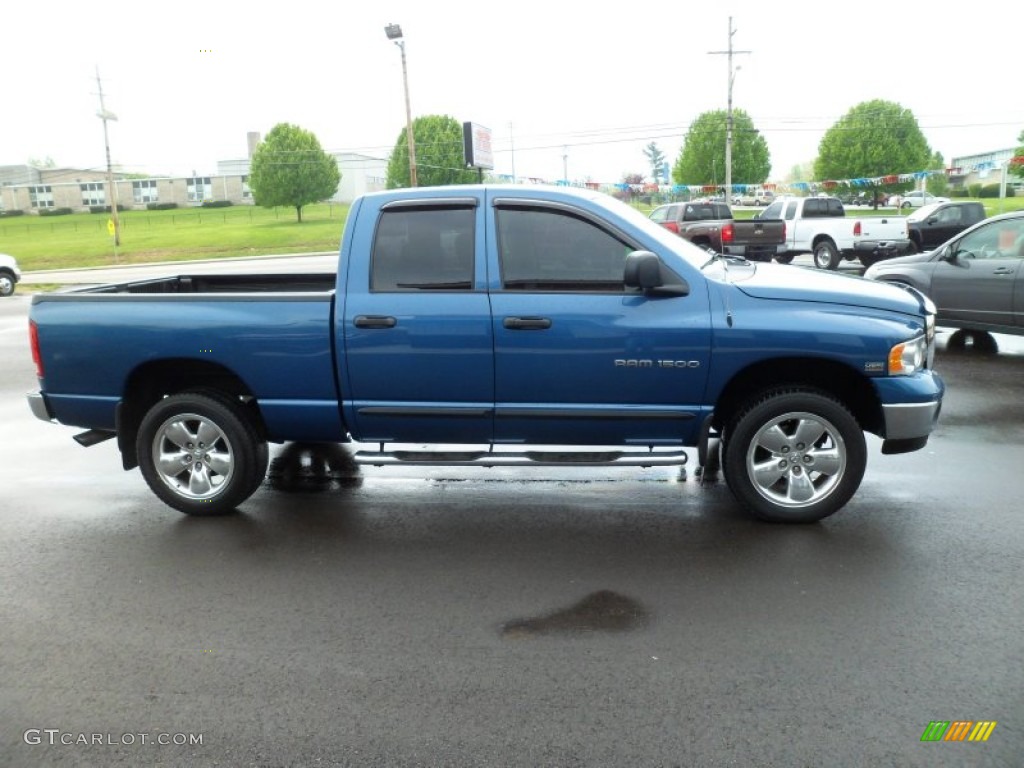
column 933, row 224
column 975, row 279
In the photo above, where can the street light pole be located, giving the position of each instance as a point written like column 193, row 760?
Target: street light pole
column 394, row 33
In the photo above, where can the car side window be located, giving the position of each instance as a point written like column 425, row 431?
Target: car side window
column 547, row 250
column 998, row 240
column 812, row 208
column 418, row 249
column 658, row 214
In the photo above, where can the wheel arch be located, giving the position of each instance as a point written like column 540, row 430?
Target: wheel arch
column 155, row 379
column 841, row 381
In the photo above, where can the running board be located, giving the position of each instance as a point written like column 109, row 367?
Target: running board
column 534, row 458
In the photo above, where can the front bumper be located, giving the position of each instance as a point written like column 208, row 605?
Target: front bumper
column 910, row 409
column 39, row 407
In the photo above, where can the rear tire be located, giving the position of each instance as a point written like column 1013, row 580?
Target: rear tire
column 785, row 258
column 794, row 456
column 826, row 255
column 200, row 453
column 7, row 283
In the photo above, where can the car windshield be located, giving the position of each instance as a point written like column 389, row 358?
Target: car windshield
column 923, row 212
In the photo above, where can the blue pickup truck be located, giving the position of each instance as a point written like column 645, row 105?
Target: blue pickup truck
column 498, row 325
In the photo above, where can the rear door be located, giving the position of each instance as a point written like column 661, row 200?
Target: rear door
column 579, row 358
column 418, row 347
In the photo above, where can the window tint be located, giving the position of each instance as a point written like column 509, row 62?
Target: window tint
column 423, row 249
column 835, row 208
column 812, row 208
column 542, row 250
column 791, row 210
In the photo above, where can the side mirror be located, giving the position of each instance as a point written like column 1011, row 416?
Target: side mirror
column 643, row 271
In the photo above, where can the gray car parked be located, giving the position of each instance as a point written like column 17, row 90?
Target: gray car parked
column 976, row 278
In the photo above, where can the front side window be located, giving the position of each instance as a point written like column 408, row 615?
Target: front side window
column 545, row 250
column 418, row 249
column 998, row 240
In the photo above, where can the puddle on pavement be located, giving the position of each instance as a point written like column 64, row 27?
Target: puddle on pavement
column 313, row 467
column 602, row 611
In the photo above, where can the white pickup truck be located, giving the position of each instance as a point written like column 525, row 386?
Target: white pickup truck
column 819, row 226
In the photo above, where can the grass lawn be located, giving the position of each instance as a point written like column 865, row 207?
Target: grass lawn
column 82, row 239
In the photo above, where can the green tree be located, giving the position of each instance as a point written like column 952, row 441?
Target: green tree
column 1017, row 164
column 290, row 168
column 656, row 158
column 702, row 157
column 440, row 160
column 937, row 183
column 873, row 140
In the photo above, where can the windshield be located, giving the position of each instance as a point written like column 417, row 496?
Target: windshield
column 923, row 212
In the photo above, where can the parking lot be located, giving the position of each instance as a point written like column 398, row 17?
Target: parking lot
column 390, row 616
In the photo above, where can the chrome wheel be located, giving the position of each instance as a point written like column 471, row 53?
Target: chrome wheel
column 794, row 455
column 193, row 456
column 6, row 284
column 796, row 459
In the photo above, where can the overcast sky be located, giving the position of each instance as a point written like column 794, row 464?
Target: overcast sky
column 188, row 79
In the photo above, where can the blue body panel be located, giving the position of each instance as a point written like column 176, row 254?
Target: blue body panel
column 611, row 368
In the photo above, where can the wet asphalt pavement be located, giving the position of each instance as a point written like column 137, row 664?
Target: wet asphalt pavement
column 558, row 617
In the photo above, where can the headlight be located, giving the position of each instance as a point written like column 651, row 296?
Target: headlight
column 908, row 357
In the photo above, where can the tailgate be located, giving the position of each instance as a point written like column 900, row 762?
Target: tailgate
column 883, row 228
column 759, row 232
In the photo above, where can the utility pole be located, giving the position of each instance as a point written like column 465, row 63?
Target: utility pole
column 728, row 120
column 512, row 142
column 104, row 115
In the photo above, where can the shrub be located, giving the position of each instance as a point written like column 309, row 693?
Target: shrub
column 974, row 190
column 105, row 208
column 992, row 190
column 160, row 206
column 217, row 203
column 11, row 213
column 955, row 193
column 55, row 211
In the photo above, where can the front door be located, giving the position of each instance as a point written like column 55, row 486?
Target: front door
column 978, row 286
column 579, row 358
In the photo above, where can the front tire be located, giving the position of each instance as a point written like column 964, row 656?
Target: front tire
column 200, row 454
column 794, row 456
column 826, row 255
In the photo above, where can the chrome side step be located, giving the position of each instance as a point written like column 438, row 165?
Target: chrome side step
column 538, row 457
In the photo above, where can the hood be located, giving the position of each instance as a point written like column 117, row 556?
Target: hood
column 788, row 283
column 911, row 258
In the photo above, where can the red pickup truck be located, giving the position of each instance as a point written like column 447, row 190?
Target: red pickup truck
column 711, row 225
